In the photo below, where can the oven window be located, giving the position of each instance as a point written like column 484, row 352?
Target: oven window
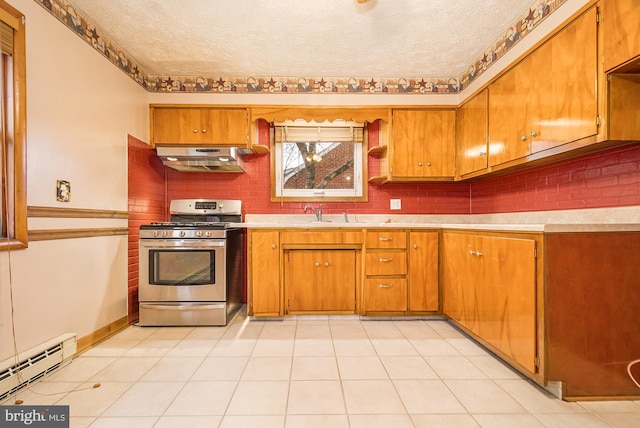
column 184, row 267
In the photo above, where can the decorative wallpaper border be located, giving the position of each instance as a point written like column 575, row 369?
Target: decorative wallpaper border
column 80, row 25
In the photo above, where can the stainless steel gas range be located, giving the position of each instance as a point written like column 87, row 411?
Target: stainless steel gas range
column 191, row 268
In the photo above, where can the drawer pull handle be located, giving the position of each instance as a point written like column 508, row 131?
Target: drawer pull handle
column 385, row 285
column 385, row 260
column 382, row 238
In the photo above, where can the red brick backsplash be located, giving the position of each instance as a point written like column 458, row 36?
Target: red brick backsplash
column 147, row 203
column 605, row 179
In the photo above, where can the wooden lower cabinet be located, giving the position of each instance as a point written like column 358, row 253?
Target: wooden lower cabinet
column 264, row 273
column 320, row 281
column 423, row 276
column 490, row 289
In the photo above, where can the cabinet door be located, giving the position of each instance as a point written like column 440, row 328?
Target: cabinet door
column 339, row 281
column 509, row 114
column 224, row 126
column 409, row 139
column 620, row 20
column 385, row 294
column 471, row 134
column 423, row 271
column 176, row 126
column 507, row 304
column 564, row 92
column 264, row 273
column 320, row 280
column 440, row 146
column 461, row 272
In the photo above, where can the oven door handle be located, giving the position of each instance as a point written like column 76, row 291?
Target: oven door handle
column 182, row 307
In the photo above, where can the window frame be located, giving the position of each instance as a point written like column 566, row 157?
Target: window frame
column 14, row 234
column 301, row 195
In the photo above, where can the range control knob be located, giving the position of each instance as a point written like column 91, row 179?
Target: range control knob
column 182, row 233
column 207, row 234
column 198, row 233
column 155, row 233
column 164, row 233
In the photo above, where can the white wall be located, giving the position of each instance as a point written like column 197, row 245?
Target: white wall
column 80, row 109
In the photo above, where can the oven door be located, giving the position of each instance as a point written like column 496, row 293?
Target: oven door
column 182, row 270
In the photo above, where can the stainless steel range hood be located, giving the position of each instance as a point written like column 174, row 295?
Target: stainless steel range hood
column 202, row 159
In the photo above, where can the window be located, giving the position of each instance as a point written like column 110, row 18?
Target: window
column 13, row 223
column 319, row 161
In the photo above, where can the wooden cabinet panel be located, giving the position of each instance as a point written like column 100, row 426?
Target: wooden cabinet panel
column 386, row 263
column 386, row 239
column 489, row 287
column 507, row 306
column 320, row 280
column 423, row 144
column 264, row 273
column 566, row 102
column 549, row 98
column 199, row 126
column 471, row 134
column 423, row 271
column 620, row 20
column 509, row 114
column 385, row 294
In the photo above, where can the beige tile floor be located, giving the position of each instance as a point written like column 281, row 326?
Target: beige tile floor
column 307, row 372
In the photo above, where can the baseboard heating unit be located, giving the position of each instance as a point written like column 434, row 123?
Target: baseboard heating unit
column 35, row 363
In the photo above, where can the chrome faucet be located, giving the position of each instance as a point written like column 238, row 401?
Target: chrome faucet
column 316, row 211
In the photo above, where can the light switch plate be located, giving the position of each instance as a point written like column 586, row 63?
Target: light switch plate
column 396, row 204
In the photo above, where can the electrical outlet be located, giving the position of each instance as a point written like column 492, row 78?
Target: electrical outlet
column 396, row 204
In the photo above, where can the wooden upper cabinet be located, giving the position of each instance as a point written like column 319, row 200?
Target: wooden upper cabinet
column 423, row 146
column 471, row 134
column 199, row 125
column 549, row 98
column 621, row 39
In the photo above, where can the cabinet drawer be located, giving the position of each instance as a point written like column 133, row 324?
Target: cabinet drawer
column 382, row 294
column 386, row 263
column 386, row 239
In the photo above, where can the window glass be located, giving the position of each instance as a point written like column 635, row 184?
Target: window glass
column 315, row 161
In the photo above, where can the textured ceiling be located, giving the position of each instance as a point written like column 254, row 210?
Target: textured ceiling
column 334, row 38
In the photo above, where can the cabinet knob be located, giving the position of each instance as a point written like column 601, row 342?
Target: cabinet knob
column 385, row 285
column 195, row 131
column 428, row 163
column 326, row 264
column 483, row 154
column 534, row 134
column 473, row 253
column 419, row 163
column 204, row 131
column 415, row 245
column 523, row 138
column 273, row 246
column 317, row 264
column 478, row 253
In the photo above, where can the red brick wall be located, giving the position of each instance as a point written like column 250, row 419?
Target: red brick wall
column 147, row 203
column 605, row 179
